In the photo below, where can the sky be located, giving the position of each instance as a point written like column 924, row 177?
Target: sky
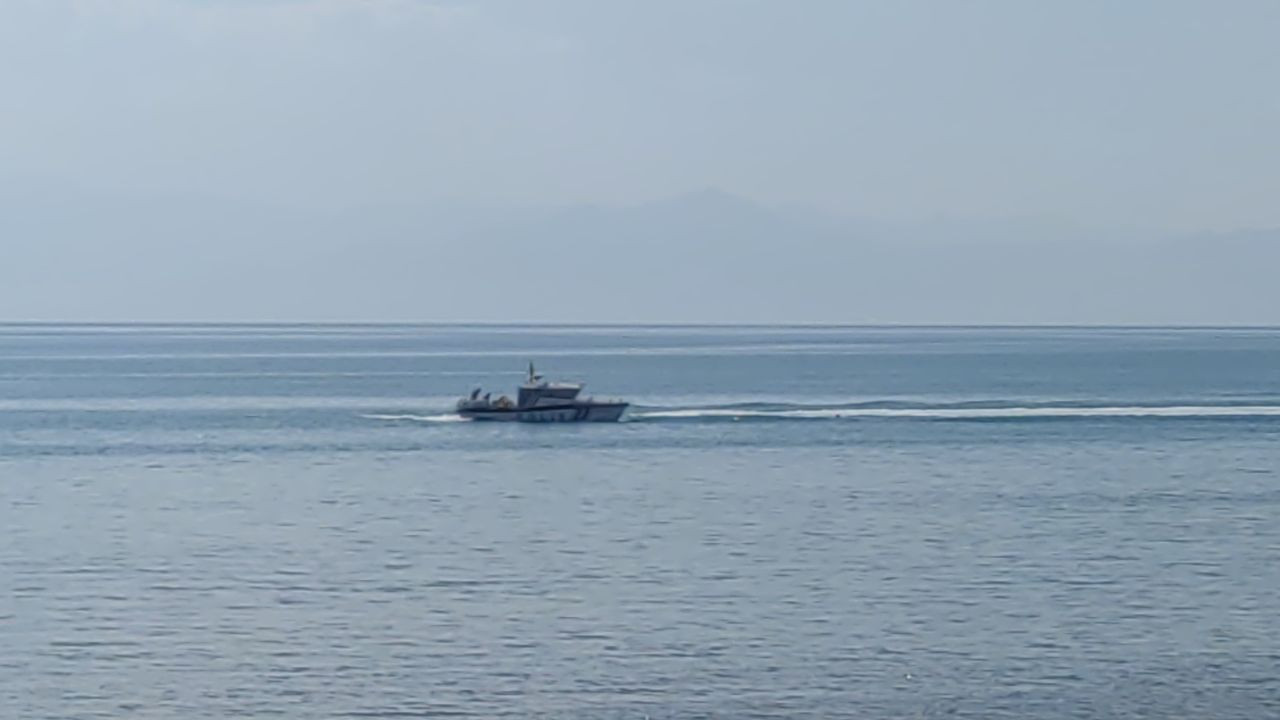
column 279, row 125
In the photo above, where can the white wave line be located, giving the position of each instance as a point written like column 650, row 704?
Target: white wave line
column 1189, row 411
column 418, row 418
column 217, row 403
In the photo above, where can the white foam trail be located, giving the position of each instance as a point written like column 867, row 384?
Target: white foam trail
column 419, row 418
column 1182, row 411
column 196, row 403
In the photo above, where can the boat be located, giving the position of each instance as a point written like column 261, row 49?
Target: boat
column 539, row 400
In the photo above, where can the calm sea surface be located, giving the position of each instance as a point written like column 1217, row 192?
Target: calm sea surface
column 284, row 521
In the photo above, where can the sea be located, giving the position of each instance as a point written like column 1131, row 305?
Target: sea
column 287, row 521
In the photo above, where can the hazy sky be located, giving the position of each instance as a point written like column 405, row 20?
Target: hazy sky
column 1161, row 113
column 156, row 154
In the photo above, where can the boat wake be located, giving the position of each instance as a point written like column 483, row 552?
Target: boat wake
column 765, row 412
column 756, row 411
column 442, row 418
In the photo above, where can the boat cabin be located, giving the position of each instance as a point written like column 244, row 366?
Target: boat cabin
column 538, row 392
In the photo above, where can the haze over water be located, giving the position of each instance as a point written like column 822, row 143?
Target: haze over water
column 216, row 521
column 730, row 161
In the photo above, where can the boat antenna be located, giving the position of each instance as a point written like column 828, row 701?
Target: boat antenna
column 532, row 376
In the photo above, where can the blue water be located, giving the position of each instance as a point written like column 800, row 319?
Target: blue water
column 284, row 521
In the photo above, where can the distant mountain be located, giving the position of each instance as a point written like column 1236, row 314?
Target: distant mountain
column 706, row 256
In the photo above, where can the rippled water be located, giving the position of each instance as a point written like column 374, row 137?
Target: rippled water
column 211, row 522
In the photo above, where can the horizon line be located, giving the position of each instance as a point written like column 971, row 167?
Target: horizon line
column 620, row 324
